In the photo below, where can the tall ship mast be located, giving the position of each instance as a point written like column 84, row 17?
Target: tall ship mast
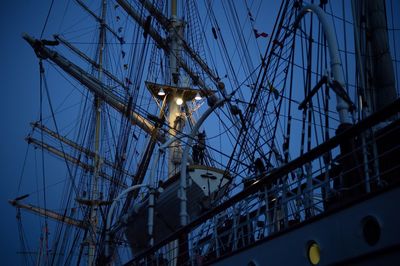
column 215, row 133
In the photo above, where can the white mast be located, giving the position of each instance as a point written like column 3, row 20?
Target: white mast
column 175, row 119
column 97, row 161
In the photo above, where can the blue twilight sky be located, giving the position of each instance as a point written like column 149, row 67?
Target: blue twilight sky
column 19, row 105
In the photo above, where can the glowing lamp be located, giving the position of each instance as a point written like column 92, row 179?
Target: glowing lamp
column 179, row 101
column 161, row 92
column 197, row 97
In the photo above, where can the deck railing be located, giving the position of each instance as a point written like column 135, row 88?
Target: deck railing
column 290, row 196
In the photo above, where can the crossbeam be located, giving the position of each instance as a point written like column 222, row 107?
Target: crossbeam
column 48, row 213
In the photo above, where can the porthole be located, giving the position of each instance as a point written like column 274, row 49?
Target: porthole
column 371, row 230
column 313, row 253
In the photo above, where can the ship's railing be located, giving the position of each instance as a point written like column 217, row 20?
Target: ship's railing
column 290, row 196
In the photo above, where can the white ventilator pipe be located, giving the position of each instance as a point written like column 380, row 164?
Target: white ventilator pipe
column 336, row 65
column 111, row 211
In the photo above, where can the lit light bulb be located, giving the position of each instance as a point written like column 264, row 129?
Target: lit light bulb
column 161, row 92
column 179, row 101
column 197, row 97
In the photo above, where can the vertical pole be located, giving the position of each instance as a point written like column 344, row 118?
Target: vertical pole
column 97, row 163
column 361, row 69
column 359, row 61
column 150, row 218
column 175, row 36
column 174, row 151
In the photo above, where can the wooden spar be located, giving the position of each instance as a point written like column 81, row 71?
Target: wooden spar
column 78, row 147
column 89, row 60
column 48, row 213
column 73, row 160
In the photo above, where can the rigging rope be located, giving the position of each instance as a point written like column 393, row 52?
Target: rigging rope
column 41, row 70
column 47, row 19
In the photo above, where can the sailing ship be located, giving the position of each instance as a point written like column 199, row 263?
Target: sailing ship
column 203, row 136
